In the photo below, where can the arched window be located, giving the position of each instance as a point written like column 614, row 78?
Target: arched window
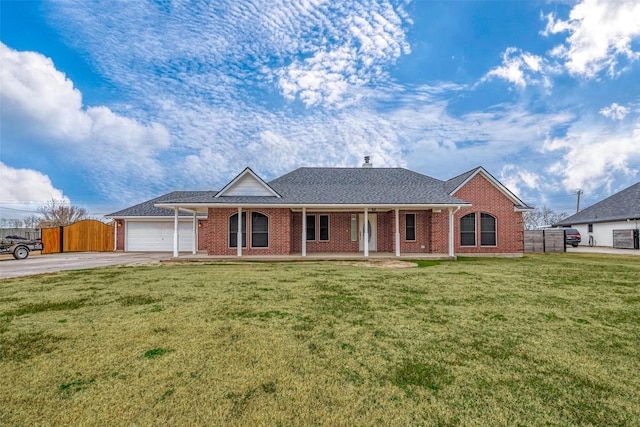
column 233, row 230
column 468, row 230
column 259, row 230
column 487, row 230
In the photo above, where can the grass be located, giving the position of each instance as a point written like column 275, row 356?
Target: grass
column 542, row 340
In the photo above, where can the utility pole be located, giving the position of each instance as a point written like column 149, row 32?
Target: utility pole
column 578, row 204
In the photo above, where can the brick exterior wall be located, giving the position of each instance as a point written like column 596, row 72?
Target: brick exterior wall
column 422, row 244
column 285, row 233
column 439, row 243
column 120, row 231
column 339, row 233
column 485, row 198
column 216, row 235
column 203, row 232
column 432, row 228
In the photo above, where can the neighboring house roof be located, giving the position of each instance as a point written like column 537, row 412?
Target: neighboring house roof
column 148, row 208
column 621, row 206
column 345, row 186
column 456, row 183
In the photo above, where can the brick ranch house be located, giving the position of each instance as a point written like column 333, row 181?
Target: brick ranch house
column 324, row 210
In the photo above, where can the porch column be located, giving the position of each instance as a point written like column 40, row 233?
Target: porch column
column 451, row 248
column 366, row 232
column 304, row 231
column 397, row 232
column 195, row 233
column 115, row 234
column 239, row 236
column 176, row 242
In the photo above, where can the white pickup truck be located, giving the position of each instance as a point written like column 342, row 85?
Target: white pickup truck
column 18, row 246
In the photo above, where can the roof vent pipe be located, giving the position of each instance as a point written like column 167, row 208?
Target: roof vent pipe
column 367, row 162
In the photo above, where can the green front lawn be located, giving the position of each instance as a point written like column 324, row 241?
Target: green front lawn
column 543, row 340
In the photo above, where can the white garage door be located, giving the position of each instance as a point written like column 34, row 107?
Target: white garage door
column 157, row 236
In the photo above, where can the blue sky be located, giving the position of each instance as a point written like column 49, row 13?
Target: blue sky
column 107, row 104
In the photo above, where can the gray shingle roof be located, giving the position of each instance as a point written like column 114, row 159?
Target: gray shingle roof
column 348, row 186
column 361, row 186
column 326, row 186
column 454, row 182
column 618, row 207
column 148, row 209
column 333, row 186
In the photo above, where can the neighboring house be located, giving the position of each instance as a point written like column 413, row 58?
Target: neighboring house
column 596, row 223
column 324, row 210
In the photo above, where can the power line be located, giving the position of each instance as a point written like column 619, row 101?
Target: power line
column 18, row 210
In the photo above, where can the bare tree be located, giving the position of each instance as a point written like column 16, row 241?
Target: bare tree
column 32, row 221
column 16, row 223
column 59, row 213
column 541, row 217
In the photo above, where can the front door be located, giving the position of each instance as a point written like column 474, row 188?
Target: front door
column 373, row 232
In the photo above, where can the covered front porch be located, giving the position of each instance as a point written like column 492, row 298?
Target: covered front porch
column 323, row 232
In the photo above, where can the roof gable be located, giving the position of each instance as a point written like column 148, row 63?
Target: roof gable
column 456, row 183
column 247, row 183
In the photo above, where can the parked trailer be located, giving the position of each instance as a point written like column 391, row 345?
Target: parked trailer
column 18, row 246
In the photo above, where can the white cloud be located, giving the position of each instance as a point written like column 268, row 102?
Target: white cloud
column 23, row 191
column 315, row 51
column 40, row 103
column 521, row 68
column 364, row 41
column 516, row 177
column 615, row 111
column 601, row 33
column 33, row 88
column 592, row 157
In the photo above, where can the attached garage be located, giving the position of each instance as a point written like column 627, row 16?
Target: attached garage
column 157, row 236
column 146, row 228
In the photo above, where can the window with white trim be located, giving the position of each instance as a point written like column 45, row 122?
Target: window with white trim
column 468, row 230
column 324, row 228
column 311, row 227
column 259, row 230
column 487, row 230
column 410, row 227
column 233, row 230
column 354, row 227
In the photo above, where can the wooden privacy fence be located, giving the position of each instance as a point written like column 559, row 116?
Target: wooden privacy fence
column 544, row 240
column 87, row 235
column 626, row 239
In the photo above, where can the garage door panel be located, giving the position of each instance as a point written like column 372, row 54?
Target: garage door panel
column 157, row 236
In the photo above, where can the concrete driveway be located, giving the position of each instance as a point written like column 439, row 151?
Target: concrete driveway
column 38, row 264
column 602, row 250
